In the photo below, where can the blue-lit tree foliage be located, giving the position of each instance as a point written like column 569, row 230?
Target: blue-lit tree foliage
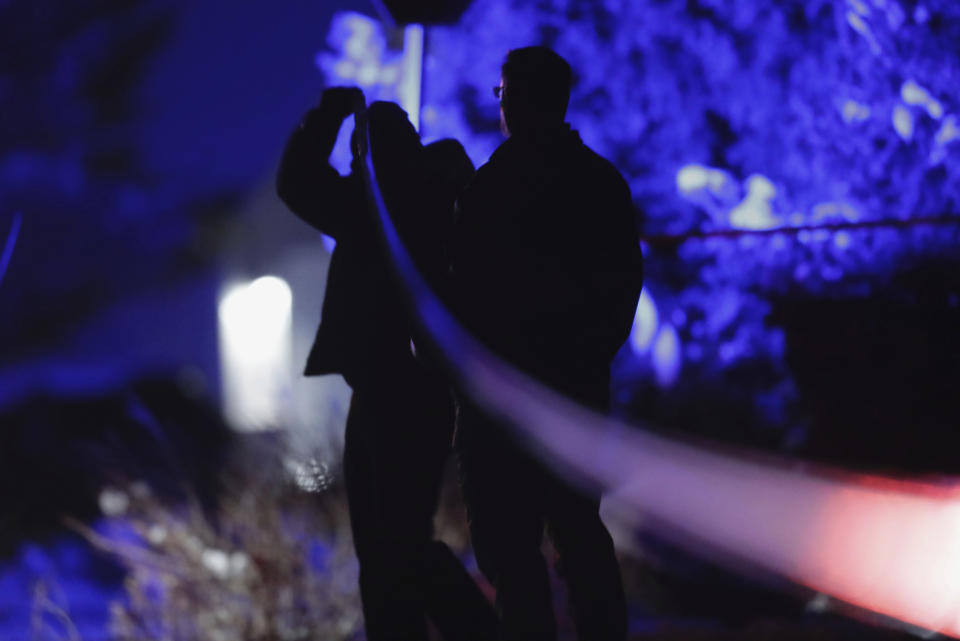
column 747, row 117
column 96, row 225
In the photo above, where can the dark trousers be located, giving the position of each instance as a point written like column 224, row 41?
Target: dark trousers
column 510, row 498
column 398, row 438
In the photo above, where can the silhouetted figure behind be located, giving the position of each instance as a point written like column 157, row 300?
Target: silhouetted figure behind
column 400, row 422
column 547, row 271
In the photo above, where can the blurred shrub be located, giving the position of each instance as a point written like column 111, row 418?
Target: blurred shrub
column 268, row 564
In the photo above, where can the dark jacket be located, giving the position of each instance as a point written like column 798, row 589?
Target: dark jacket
column 364, row 330
column 545, row 259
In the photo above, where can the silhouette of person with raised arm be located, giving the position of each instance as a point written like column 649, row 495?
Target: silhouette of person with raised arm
column 400, row 422
column 547, row 271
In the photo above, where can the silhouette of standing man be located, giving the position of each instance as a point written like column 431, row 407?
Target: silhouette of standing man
column 400, row 422
column 546, row 271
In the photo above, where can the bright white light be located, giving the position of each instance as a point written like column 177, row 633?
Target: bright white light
column 759, row 186
column 408, row 89
column 694, row 177
column 644, row 324
column 912, row 93
column 255, row 352
column 754, row 212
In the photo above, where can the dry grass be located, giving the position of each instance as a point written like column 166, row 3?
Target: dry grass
column 243, row 572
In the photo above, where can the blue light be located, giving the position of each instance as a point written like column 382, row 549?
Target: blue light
column 913, row 94
column 411, row 77
column 695, row 177
column 858, row 24
column 903, row 122
column 10, row 244
column 854, row 112
column 644, row 324
column 666, row 356
column 329, row 243
column 949, row 131
column 841, row 239
column 755, row 212
column 359, row 54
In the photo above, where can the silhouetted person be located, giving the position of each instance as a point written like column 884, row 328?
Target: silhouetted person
column 400, row 422
column 547, row 272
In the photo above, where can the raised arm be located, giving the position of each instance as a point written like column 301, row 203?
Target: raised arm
column 306, row 182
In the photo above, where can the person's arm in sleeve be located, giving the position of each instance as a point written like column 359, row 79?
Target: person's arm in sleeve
column 463, row 245
column 306, row 183
column 618, row 276
column 627, row 272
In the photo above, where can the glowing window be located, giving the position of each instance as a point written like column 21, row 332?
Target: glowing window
column 255, row 352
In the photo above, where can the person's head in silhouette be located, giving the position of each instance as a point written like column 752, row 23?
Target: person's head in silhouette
column 447, row 168
column 396, row 152
column 534, row 90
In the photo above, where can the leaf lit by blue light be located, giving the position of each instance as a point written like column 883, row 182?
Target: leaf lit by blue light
column 859, row 6
column 361, row 45
column 903, row 122
column 854, row 112
column 644, row 324
column 949, row 131
column 860, row 25
column 755, row 211
column 694, row 177
column 666, row 356
column 841, row 240
column 913, row 94
column 834, row 211
column 359, row 54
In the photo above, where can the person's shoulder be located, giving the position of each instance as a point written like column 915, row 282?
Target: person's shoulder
column 596, row 161
column 489, row 180
column 496, row 166
column 604, row 171
column 504, row 155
